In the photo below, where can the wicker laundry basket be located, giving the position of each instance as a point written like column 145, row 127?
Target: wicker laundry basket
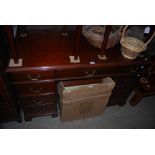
column 95, row 35
column 131, row 47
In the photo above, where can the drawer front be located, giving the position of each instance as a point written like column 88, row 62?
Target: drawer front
column 65, row 73
column 96, row 71
column 41, row 109
column 38, row 100
column 31, row 76
column 34, row 88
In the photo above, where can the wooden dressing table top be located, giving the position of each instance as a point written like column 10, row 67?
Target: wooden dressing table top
column 47, row 50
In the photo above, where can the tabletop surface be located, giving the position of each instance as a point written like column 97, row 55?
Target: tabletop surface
column 48, row 49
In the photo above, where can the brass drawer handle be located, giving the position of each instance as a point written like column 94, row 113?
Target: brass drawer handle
column 38, row 101
column 90, row 73
column 35, row 90
column 134, row 70
column 30, row 77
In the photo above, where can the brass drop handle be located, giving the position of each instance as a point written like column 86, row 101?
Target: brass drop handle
column 134, row 70
column 89, row 73
column 38, row 101
column 35, row 91
column 32, row 78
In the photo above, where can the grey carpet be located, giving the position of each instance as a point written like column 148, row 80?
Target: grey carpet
column 127, row 117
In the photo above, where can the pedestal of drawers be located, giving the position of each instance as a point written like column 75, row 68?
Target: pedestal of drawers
column 36, row 92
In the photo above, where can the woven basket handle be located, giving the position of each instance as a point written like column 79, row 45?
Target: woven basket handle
column 120, row 30
column 123, row 33
column 150, row 39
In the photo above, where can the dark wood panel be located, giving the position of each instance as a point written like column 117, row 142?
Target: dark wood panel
column 49, row 49
column 39, row 108
column 32, row 75
column 8, row 103
column 4, row 49
column 37, row 111
column 34, row 88
column 98, row 71
column 38, row 100
column 122, row 90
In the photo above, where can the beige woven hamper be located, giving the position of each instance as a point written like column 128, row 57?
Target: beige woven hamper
column 95, row 36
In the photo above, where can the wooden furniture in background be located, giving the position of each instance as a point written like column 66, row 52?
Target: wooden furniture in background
column 11, row 43
column 145, row 86
column 9, row 107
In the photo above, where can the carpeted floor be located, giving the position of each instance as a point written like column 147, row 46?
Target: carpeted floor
column 140, row 117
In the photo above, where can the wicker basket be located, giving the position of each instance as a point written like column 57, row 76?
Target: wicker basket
column 95, row 34
column 132, row 47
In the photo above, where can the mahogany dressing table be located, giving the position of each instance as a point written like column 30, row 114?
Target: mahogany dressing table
column 45, row 62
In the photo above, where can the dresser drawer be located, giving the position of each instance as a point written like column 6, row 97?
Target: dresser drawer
column 31, row 75
column 34, row 88
column 96, row 71
column 37, row 100
column 39, row 110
